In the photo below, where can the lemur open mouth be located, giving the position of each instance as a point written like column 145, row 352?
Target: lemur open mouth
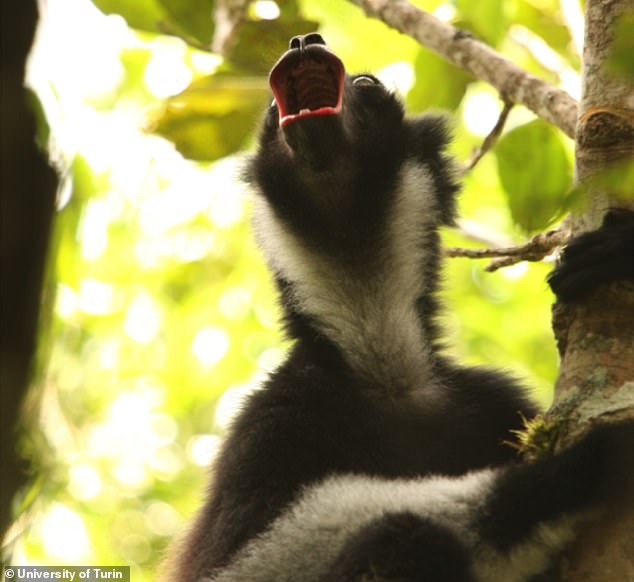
column 307, row 83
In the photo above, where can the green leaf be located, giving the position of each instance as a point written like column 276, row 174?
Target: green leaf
column 439, row 84
column 548, row 23
column 184, row 18
column 261, row 42
column 145, row 15
column 535, row 170
column 486, row 18
column 191, row 18
column 214, row 116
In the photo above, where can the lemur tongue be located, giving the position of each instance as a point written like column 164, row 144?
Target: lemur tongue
column 307, row 83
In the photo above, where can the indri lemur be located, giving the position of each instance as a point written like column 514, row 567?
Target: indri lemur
column 369, row 455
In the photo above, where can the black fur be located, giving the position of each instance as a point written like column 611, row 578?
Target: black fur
column 390, row 549
column 582, row 477
column 331, row 181
column 596, row 258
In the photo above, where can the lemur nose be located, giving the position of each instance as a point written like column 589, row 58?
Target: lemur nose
column 302, row 41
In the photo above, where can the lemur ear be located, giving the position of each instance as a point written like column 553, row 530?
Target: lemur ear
column 431, row 133
column 365, row 80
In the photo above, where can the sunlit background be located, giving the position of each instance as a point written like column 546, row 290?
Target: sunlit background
column 163, row 316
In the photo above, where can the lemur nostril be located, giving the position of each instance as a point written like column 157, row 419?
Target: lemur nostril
column 314, row 38
column 300, row 42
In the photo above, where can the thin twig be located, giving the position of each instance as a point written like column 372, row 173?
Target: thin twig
column 534, row 250
column 491, row 139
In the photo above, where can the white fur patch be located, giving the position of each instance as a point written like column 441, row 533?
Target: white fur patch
column 373, row 317
column 303, row 543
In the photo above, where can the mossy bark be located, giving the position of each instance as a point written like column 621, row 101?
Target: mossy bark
column 596, row 336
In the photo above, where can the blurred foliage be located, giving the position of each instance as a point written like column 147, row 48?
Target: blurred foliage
column 535, row 169
column 214, row 116
column 433, row 95
column 190, row 19
column 162, row 314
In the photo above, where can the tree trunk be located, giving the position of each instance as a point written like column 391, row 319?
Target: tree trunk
column 27, row 198
column 596, row 336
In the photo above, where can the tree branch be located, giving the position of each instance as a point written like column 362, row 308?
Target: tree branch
column 536, row 249
column 228, row 17
column 491, row 139
column 477, row 58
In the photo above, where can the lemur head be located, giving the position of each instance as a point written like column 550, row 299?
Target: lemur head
column 335, row 147
column 320, row 111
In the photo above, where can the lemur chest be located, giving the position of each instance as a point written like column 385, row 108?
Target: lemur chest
column 370, row 312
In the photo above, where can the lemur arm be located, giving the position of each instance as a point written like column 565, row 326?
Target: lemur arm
column 595, row 258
